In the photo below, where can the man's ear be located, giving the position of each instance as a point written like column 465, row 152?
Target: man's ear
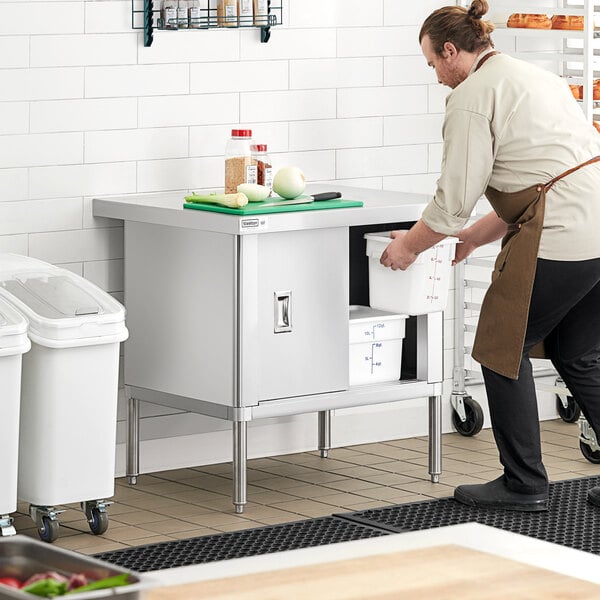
column 450, row 50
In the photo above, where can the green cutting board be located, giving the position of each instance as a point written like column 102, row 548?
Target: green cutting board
column 256, row 208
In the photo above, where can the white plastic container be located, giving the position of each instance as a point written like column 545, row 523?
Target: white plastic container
column 13, row 344
column 421, row 289
column 69, row 382
column 375, row 345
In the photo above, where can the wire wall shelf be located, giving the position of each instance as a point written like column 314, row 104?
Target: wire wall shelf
column 146, row 17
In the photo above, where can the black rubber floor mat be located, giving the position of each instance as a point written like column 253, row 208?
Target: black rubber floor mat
column 570, row 521
column 237, row 544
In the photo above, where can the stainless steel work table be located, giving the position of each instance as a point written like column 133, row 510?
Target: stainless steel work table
column 243, row 318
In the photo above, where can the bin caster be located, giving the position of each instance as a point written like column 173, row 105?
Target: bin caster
column 568, row 409
column 6, row 526
column 588, row 444
column 46, row 521
column 96, row 515
column 467, row 416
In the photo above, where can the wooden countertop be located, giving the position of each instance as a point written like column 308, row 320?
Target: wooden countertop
column 434, row 573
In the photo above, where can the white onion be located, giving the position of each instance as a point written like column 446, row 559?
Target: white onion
column 289, row 182
column 254, row 191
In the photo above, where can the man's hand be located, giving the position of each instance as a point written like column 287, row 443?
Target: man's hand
column 397, row 255
column 463, row 250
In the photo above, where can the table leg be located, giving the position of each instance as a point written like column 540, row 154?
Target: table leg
column 240, row 458
column 435, row 438
column 324, row 432
column 133, row 440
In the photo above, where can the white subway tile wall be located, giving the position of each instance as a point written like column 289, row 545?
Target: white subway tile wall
column 341, row 90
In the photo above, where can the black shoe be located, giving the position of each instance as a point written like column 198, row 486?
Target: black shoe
column 593, row 495
column 496, row 495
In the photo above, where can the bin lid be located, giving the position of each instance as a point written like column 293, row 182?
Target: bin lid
column 58, row 304
column 366, row 313
column 13, row 330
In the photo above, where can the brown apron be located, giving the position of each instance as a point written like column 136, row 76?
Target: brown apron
column 504, row 313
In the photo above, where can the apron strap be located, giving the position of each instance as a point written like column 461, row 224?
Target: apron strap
column 485, row 58
column 559, row 177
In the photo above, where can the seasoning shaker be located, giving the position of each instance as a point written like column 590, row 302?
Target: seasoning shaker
column 227, row 13
column 194, row 14
column 239, row 167
column 245, row 12
column 182, row 14
column 264, row 167
column 261, row 12
column 168, row 13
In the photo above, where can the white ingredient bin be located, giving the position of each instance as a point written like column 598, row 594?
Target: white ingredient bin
column 13, row 344
column 420, row 289
column 69, row 390
column 375, row 345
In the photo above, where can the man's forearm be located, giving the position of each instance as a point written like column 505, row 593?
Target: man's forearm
column 420, row 237
column 487, row 229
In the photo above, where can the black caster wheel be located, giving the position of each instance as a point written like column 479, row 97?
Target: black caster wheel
column 570, row 413
column 48, row 530
column 474, row 422
column 98, row 522
column 589, row 454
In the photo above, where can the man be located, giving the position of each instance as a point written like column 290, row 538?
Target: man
column 515, row 132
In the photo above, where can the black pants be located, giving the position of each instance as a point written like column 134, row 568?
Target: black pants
column 565, row 311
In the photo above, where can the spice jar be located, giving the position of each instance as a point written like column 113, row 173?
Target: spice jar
column 168, row 13
column 245, row 12
column 239, row 167
column 182, row 14
column 194, row 14
column 261, row 12
column 264, row 168
column 227, row 13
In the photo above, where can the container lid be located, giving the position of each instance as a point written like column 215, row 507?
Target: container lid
column 13, row 330
column 358, row 313
column 241, row 132
column 58, row 304
column 258, row 147
column 377, row 242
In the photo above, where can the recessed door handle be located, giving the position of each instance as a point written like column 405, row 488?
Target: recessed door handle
column 283, row 311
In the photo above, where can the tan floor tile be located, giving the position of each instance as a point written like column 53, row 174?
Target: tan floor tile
column 279, row 483
column 192, row 532
column 348, row 485
column 126, row 533
column 304, row 490
column 416, row 444
column 168, row 526
column 433, row 490
column 389, row 479
column 218, row 469
column 371, row 505
column 322, row 477
column 192, row 496
column 343, row 499
column 306, row 508
column 267, row 514
column 216, row 519
column 272, row 497
column 226, row 528
column 390, row 495
column 150, row 539
column 359, row 472
column 138, row 517
column 404, row 468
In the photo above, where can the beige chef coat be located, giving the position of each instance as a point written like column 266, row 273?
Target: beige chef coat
column 511, row 125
